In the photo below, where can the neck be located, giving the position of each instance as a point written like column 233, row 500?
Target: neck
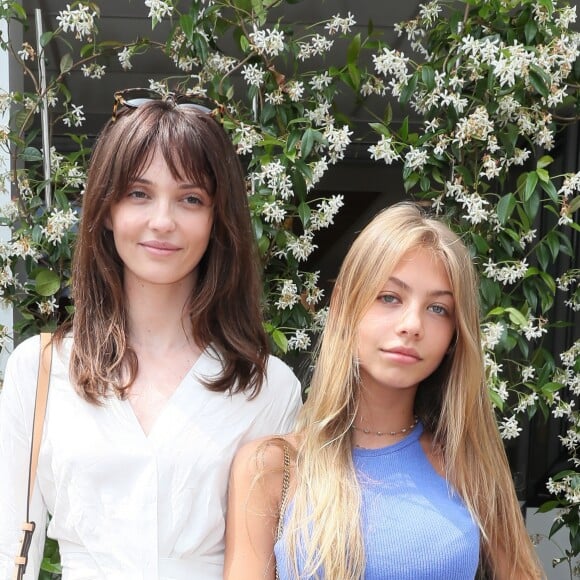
column 385, row 410
column 157, row 315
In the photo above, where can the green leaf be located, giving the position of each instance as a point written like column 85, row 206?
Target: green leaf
column 46, row 37
column 307, row 143
column 353, row 50
column 66, row 63
column 539, row 80
column 505, row 207
column 409, row 89
column 531, row 182
column 404, row 130
column 543, row 175
column 354, row 74
column 47, row 282
column 516, row 317
column 304, row 213
column 544, row 161
column 280, row 340
column 381, row 129
column 496, row 399
column 428, row 77
column 574, row 205
column 550, row 189
column 550, row 388
column 530, row 30
column 31, row 154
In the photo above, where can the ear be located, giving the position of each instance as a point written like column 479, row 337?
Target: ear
column 108, row 223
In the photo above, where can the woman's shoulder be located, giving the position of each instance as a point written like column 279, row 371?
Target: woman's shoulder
column 266, row 456
column 277, row 368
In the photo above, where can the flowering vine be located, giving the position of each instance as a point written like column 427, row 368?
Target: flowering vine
column 486, row 86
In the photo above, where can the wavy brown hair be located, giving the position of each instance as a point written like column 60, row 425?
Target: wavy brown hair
column 453, row 404
column 225, row 306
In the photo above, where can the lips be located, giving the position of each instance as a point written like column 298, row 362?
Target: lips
column 403, row 353
column 158, row 245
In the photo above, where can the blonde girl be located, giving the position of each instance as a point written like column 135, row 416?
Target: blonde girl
column 398, row 470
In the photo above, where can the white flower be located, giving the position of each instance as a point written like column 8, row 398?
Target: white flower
column 288, row 295
column 274, row 212
column 246, row 137
column 323, row 216
column 509, row 428
column 491, row 334
column 320, row 81
column 300, row 340
column 337, row 24
column 318, row 168
column 48, row 306
column 93, row 70
column 534, row 328
column 81, row 21
column 275, row 98
column 125, row 58
column 528, row 373
column 269, row 42
column 253, row 74
column 316, row 46
column 74, row 117
column 507, row 274
column 27, row 52
column 392, row 62
column 384, row 150
column 58, row 224
column 10, row 211
column 338, row 141
column 158, row 9
column 295, row 90
column 319, row 319
column 301, row 246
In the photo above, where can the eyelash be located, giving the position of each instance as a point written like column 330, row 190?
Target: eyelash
column 190, row 199
column 392, row 299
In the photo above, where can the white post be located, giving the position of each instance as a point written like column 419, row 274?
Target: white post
column 11, row 79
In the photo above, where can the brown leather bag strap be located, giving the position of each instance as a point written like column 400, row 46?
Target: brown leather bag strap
column 39, row 411
column 40, row 403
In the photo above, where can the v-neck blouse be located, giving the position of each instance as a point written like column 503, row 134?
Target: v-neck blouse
column 126, row 505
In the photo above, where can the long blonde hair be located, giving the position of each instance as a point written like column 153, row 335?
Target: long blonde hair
column 323, row 528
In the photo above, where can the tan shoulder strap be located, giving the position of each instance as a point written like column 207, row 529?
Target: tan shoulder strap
column 39, row 411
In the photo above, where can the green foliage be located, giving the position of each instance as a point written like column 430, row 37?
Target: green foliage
column 493, row 83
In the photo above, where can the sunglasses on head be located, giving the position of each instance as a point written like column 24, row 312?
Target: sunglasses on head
column 134, row 98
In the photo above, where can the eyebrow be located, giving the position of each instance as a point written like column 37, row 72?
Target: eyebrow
column 405, row 286
column 181, row 185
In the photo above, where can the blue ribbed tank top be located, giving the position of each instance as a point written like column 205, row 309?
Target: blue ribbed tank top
column 415, row 527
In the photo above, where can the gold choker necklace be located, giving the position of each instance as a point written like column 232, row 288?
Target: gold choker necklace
column 389, row 433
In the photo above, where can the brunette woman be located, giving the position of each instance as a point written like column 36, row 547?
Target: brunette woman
column 164, row 372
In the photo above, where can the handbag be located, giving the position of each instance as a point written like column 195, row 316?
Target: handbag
column 40, row 402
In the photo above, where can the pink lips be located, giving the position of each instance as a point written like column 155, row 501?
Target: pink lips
column 158, row 247
column 403, row 354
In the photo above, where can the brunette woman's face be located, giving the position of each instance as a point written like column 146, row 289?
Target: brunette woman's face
column 405, row 333
column 161, row 226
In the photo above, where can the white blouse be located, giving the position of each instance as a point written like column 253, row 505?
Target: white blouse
column 125, row 505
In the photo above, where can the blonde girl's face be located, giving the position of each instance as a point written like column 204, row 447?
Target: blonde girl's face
column 407, row 330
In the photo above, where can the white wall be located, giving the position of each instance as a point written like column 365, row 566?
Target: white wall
column 10, row 79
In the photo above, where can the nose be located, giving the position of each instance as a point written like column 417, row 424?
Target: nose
column 162, row 218
column 410, row 322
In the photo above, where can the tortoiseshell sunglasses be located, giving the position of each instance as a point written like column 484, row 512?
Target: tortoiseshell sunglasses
column 134, row 98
